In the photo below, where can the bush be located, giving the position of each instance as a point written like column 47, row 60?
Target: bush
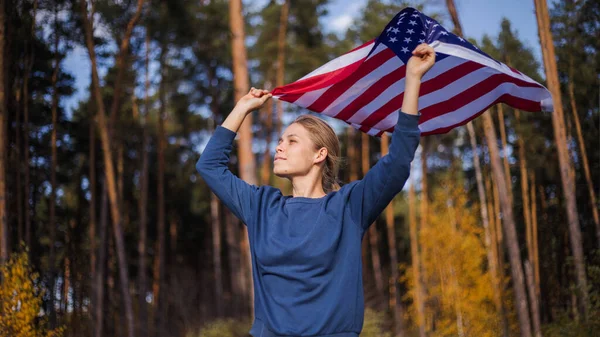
column 373, row 325
column 223, row 328
column 21, row 300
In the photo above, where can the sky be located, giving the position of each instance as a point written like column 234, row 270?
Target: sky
column 478, row 17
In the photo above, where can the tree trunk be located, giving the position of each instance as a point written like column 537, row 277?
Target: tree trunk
column 525, row 190
column 376, row 260
column 568, row 185
column 3, row 142
column 246, row 271
column 354, row 159
column 372, row 232
column 424, row 204
column 215, row 212
column 584, row 158
column 143, row 202
column 488, row 231
column 54, row 163
column 285, row 8
column 267, row 117
column 109, row 168
column 489, row 242
column 216, row 240
column 92, row 225
column 247, row 162
column 28, row 66
column 120, row 63
column 67, row 273
column 395, row 298
column 98, row 307
column 159, row 264
column 505, row 151
column 535, row 309
column 509, row 229
column 535, row 261
column 233, row 249
column 416, row 261
column 453, row 279
column 19, row 169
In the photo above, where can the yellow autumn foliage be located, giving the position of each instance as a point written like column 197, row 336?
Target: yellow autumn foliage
column 458, row 288
column 21, row 301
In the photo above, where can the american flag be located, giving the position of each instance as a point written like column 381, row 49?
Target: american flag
column 365, row 86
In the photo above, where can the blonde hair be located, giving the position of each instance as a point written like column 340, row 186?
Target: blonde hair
column 322, row 135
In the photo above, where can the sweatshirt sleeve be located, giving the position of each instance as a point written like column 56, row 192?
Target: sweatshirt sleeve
column 371, row 195
column 239, row 196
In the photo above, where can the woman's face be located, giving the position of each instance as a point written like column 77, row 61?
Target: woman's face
column 295, row 154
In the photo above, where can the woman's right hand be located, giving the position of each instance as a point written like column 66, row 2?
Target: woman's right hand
column 253, row 100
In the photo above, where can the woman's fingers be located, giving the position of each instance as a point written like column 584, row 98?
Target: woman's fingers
column 264, row 98
column 258, row 92
column 422, row 49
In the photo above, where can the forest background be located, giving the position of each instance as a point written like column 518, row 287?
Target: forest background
column 106, row 229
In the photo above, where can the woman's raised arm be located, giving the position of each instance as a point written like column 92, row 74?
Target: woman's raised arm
column 370, row 195
column 239, row 196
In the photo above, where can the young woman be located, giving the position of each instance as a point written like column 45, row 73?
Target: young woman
column 306, row 247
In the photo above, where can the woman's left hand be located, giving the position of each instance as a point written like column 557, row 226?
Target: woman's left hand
column 422, row 60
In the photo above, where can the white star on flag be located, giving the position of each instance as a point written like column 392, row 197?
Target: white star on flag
column 395, row 30
column 404, row 49
column 412, row 23
column 410, row 31
column 393, row 39
column 444, row 32
column 407, row 40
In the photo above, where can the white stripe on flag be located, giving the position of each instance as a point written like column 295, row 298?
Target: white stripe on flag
column 448, row 92
column 310, row 97
column 467, row 110
column 362, row 85
column 377, row 50
column 441, row 67
column 388, row 122
column 398, row 87
column 385, row 96
column 462, row 52
column 341, row 62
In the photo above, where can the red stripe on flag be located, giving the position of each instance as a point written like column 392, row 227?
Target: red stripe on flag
column 448, row 77
column 371, row 93
column 364, row 128
column 322, row 80
column 317, row 82
column 469, row 95
column 517, row 102
column 291, row 97
column 431, row 85
column 331, row 94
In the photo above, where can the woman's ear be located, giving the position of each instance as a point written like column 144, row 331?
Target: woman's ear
column 321, row 155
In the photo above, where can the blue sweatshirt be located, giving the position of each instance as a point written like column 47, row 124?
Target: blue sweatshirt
column 306, row 252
